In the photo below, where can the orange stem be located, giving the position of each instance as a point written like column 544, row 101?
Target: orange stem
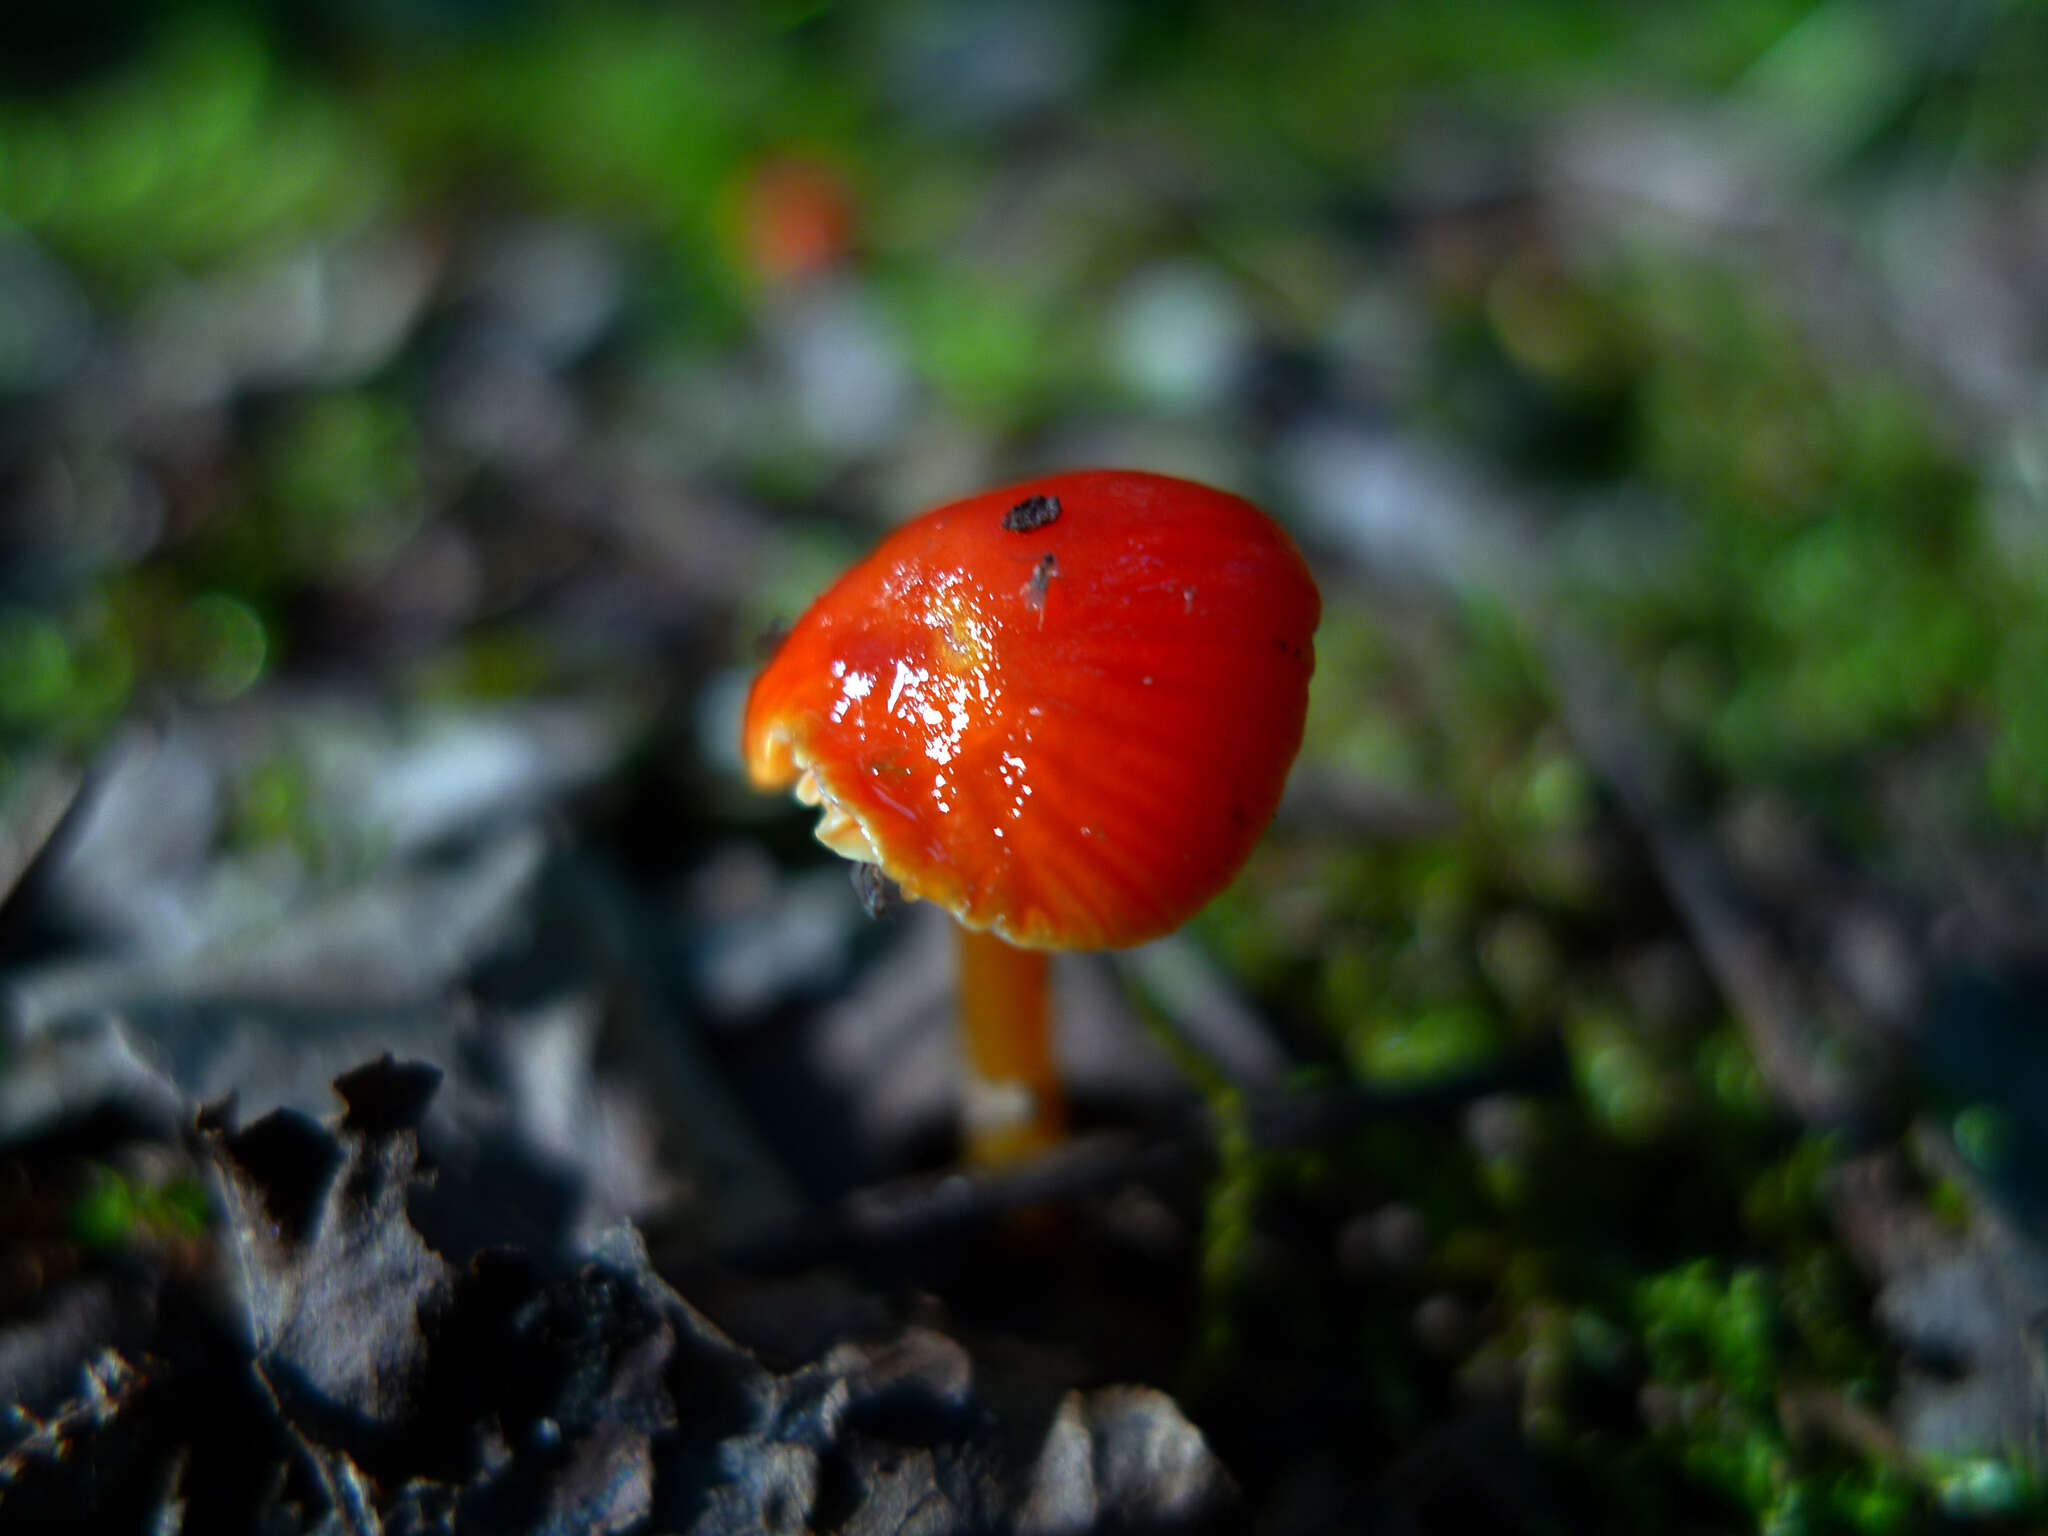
column 1013, row 1104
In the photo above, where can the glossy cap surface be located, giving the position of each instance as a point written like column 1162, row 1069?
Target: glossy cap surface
column 1067, row 729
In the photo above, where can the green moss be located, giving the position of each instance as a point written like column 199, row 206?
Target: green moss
column 491, row 662
column 1418, row 1047
column 2017, row 707
column 1730, row 1076
column 64, row 674
column 1985, row 1486
column 104, row 1215
column 998, row 349
column 1785, row 1198
column 200, row 153
column 114, row 1211
column 1984, row 1135
column 1228, row 1225
column 36, row 670
column 341, row 487
column 226, row 645
column 1632, row 1092
column 1829, row 594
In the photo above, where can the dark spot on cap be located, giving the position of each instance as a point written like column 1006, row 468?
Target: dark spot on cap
column 1032, row 514
column 1041, row 578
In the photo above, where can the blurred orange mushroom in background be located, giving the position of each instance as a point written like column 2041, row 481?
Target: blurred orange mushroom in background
column 795, row 218
column 1064, row 711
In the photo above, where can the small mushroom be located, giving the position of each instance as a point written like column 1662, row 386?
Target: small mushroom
column 1069, row 763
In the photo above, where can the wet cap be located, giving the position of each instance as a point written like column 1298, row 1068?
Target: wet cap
column 1063, row 710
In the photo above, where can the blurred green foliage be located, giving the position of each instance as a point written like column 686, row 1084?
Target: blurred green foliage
column 1835, row 590
column 116, row 1211
column 208, row 150
column 1604, row 1227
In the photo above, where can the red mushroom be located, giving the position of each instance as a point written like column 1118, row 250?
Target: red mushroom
column 1064, row 711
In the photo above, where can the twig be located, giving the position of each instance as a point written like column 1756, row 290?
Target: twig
column 109, row 1382
column 914, row 1210
column 1735, row 943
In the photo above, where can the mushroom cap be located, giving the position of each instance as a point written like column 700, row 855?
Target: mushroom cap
column 1063, row 710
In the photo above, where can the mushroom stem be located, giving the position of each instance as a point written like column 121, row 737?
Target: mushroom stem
column 1012, row 1099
